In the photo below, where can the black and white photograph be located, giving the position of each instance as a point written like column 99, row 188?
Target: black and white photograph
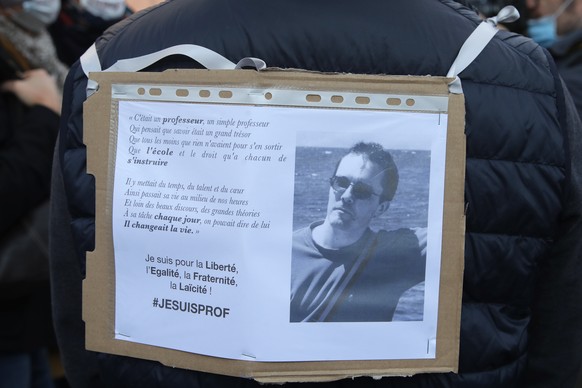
column 359, row 241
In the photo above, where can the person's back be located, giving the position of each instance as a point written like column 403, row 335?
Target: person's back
column 522, row 187
column 29, row 120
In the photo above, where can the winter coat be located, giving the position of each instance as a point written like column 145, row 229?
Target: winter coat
column 27, row 138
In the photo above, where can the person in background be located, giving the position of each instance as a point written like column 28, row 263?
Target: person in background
column 80, row 22
column 29, row 118
column 31, row 79
column 557, row 26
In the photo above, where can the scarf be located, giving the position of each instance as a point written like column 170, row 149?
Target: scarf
column 36, row 48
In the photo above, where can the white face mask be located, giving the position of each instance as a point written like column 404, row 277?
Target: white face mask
column 105, row 9
column 46, row 11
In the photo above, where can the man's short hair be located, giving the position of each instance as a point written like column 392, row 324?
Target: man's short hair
column 375, row 153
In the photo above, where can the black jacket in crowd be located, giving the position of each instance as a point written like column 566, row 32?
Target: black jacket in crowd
column 567, row 53
column 521, row 317
column 27, row 139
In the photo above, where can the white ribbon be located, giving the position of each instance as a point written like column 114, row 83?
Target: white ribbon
column 475, row 43
column 206, row 57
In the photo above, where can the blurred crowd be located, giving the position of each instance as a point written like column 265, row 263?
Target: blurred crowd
column 39, row 40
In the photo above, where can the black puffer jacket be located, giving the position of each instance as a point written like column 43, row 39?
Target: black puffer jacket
column 521, row 314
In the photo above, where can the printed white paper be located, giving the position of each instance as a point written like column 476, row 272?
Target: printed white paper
column 206, row 199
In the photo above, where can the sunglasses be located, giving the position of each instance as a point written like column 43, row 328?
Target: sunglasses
column 360, row 190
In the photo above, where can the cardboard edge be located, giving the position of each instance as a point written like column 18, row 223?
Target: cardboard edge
column 98, row 307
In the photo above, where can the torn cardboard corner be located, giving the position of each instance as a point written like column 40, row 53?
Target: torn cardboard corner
column 192, row 264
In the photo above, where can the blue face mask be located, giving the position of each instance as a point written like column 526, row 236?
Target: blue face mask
column 544, row 30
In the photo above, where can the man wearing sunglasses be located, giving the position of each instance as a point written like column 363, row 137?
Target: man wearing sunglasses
column 342, row 271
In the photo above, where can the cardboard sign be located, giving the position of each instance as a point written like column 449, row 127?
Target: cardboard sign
column 279, row 225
